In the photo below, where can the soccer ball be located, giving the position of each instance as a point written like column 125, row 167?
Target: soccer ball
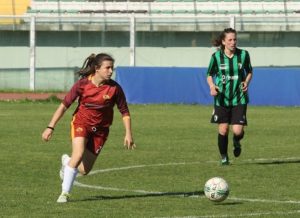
column 216, row 189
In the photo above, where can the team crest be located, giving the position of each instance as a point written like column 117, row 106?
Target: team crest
column 106, row 97
column 79, row 129
column 240, row 66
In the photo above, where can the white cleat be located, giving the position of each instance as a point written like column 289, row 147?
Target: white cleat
column 64, row 159
column 63, row 198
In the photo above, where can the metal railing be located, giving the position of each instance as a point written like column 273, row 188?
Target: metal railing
column 132, row 24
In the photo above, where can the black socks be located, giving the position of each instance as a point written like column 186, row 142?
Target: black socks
column 238, row 137
column 223, row 144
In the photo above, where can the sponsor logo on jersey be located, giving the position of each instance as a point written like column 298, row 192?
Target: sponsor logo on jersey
column 228, row 77
column 232, row 77
column 223, row 66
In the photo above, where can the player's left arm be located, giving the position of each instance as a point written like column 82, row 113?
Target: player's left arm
column 245, row 84
column 249, row 73
column 128, row 140
column 123, row 108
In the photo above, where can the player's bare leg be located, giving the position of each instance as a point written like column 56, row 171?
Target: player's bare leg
column 87, row 162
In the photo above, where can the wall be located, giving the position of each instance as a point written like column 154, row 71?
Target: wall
column 18, row 57
column 161, row 85
column 61, row 62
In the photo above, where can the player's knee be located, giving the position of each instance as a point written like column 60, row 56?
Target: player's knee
column 83, row 171
column 238, row 132
column 224, row 131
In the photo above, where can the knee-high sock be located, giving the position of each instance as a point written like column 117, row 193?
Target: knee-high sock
column 223, row 144
column 69, row 178
column 66, row 161
column 238, row 137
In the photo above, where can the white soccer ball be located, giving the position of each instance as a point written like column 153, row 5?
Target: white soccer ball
column 216, row 189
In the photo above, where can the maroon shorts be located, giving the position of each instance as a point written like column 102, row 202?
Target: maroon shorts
column 96, row 136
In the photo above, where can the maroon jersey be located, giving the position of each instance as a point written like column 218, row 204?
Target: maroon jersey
column 95, row 104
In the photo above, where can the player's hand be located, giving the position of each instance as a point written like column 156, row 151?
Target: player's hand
column 214, row 90
column 47, row 134
column 129, row 143
column 244, row 86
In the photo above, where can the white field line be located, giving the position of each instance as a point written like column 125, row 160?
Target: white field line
column 181, row 195
column 264, row 200
column 189, row 163
column 144, row 166
column 114, row 189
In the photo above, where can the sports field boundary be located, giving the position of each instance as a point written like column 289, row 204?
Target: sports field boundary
column 13, row 96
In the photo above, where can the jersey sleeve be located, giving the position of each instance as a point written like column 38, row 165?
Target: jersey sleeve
column 72, row 95
column 212, row 67
column 247, row 65
column 121, row 102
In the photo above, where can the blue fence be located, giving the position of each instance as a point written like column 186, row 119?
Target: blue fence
column 155, row 85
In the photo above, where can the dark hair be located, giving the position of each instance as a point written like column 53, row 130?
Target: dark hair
column 93, row 61
column 218, row 41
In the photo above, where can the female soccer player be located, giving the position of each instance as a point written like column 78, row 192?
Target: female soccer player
column 97, row 94
column 228, row 76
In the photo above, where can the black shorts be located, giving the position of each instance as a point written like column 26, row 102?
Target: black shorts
column 230, row 115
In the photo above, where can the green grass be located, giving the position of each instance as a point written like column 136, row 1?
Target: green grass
column 176, row 153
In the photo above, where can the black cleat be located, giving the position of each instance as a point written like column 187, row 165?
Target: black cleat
column 225, row 160
column 237, row 148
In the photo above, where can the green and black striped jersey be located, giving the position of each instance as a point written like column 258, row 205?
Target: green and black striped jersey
column 228, row 74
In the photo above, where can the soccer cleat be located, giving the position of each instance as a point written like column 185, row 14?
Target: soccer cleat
column 64, row 157
column 63, row 198
column 225, row 160
column 237, row 148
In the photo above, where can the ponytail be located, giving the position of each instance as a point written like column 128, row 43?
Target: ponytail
column 91, row 62
column 88, row 66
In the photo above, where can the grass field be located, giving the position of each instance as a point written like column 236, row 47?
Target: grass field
column 163, row 177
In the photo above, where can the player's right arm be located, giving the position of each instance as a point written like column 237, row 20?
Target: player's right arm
column 71, row 96
column 212, row 87
column 55, row 118
column 211, row 71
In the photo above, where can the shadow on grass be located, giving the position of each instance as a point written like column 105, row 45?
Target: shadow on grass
column 281, row 162
column 275, row 162
column 182, row 194
column 226, row 203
